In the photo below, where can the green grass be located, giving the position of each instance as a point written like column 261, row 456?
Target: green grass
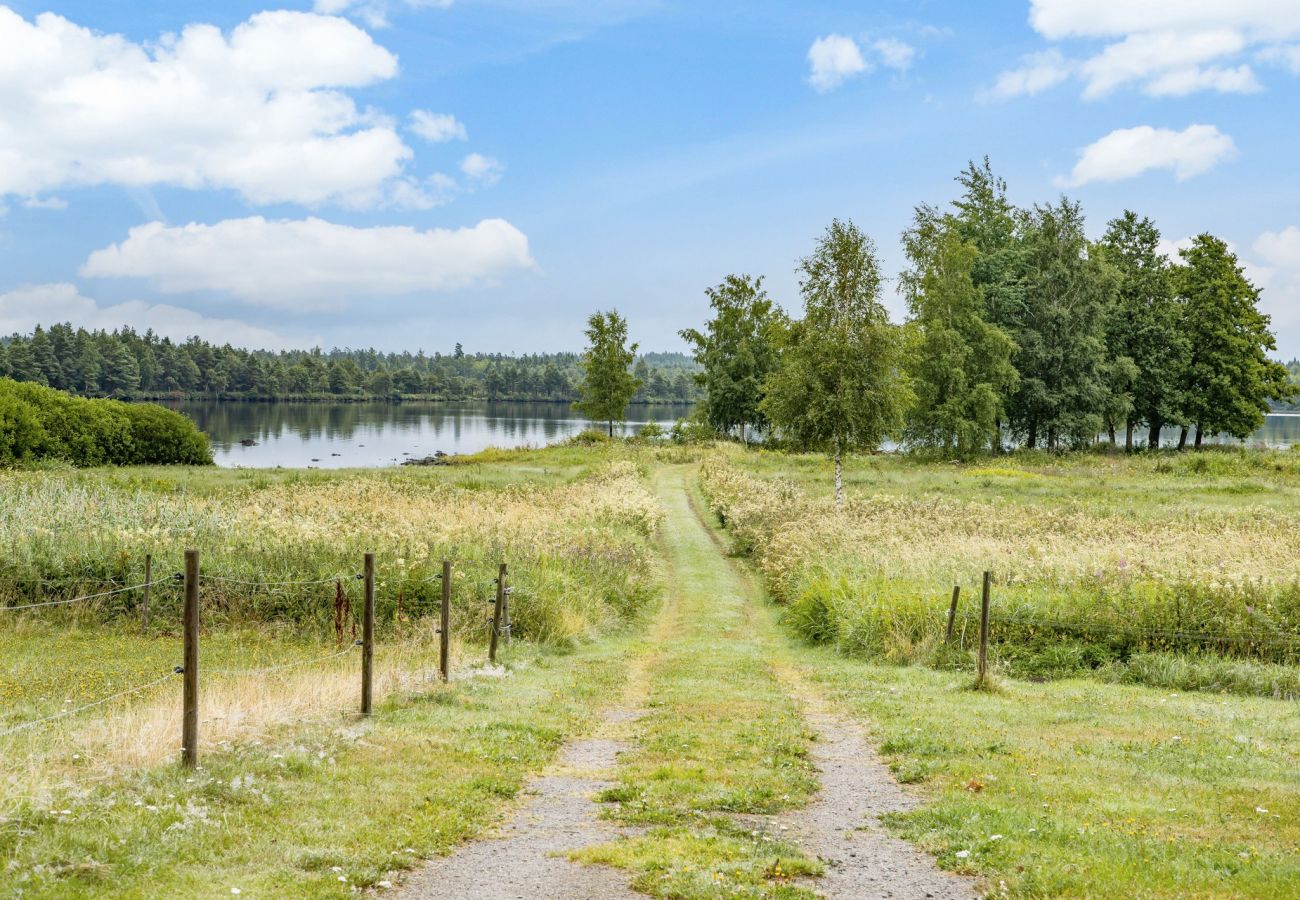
column 1083, row 787
column 1095, row 789
column 314, row 810
column 1102, row 564
column 721, row 738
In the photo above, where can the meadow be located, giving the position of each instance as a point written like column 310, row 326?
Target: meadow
column 1110, row 751
column 1177, row 571
column 279, row 554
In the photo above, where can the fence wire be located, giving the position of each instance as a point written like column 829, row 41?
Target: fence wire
column 237, row 673
column 63, row 714
column 69, row 600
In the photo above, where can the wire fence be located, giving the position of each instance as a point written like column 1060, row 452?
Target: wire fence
column 192, row 579
column 97, row 596
column 63, row 714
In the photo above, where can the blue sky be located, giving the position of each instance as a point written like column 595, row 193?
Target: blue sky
column 412, row 173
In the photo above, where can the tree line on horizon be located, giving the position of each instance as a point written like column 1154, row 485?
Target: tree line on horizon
column 125, row 364
column 1019, row 328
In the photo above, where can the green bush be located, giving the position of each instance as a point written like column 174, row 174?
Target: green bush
column 40, row 424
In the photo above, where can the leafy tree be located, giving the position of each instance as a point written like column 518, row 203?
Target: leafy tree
column 607, row 385
column 984, row 217
column 1064, row 371
column 1228, row 379
column 121, row 375
column 736, row 352
column 1145, row 323
column 840, row 386
column 959, row 363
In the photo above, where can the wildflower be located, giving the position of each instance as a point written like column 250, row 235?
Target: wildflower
column 995, row 837
column 962, row 854
column 234, row 890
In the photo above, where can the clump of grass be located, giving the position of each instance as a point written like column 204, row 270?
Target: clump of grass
column 1083, row 585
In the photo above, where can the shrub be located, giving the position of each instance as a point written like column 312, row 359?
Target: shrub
column 38, row 423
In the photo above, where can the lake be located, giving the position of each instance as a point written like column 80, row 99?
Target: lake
column 338, row 435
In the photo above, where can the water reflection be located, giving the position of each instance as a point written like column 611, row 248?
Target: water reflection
column 336, row 435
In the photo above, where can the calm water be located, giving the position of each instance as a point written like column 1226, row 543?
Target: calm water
column 335, row 435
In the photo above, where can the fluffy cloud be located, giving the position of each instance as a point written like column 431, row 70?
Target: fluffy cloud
column 373, row 12
column 260, row 110
column 23, row 309
column 311, row 264
column 1037, row 73
column 894, row 54
column 1276, row 269
column 481, row 169
column 1165, row 47
column 834, row 59
column 437, row 127
column 1128, row 152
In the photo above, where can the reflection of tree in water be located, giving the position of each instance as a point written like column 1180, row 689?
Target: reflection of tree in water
column 229, row 422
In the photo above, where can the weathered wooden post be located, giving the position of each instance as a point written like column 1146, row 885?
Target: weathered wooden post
column 952, row 612
column 496, row 614
column 190, row 720
column 444, row 627
column 148, row 586
column 368, row 637
column 984, row 634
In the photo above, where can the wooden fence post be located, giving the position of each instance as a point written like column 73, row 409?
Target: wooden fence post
column 368, row 637
column 952, row 612
column 190, row 720
column 148, row 583
column 496, row 614
column 984, row 633
column 444, row 627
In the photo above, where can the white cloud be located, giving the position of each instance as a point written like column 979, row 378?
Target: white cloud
column 1170, row 248
column 482, row 169
column 832, row 60
column 373, row 12
column 1128, row 152
column 310, row 264
column 1164, row 47
column 894, row 54
column 1286, row 56
column 1037, row 73
column 260, row 110
column 1277, row 273
column 24, row 308
column 437, row 127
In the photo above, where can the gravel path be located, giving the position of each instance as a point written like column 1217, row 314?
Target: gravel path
column 522, row 863
column 842, row 824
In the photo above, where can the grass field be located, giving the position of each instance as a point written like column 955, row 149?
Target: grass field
column 576, row 528
column 1116, row 783
column 1175, row 571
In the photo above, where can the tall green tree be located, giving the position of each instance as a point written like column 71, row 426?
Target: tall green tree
column 840, row 385
column 121, row 374
column 1065, row 380
column 1228, row 378
column 959, row 363
column 607, row 384
column 1145, row 323
column 737, row 353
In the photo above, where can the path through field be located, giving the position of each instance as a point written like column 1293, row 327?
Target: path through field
column 715, row 721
